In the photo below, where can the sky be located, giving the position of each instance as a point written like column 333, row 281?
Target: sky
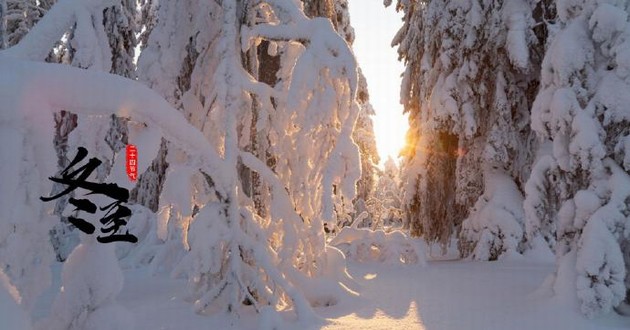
column 375, row 27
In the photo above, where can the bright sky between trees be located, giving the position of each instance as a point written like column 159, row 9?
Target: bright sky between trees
column 375, row 27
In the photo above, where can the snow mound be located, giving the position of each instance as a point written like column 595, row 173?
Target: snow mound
column 364, row 245
column 495, row 225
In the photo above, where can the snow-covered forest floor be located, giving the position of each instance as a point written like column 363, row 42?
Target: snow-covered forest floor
column 447, row 293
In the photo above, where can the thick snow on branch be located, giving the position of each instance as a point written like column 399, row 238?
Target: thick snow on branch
column 321, row 41
column 538, row 204
column 36, row 45
column 281, row 207
column 517, row 15
column 60, row 87
column 319, row 105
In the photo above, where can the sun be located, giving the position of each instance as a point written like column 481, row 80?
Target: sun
column 390, row 132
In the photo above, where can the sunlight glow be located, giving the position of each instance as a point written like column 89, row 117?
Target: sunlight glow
column 375, row 27
column 370, row 276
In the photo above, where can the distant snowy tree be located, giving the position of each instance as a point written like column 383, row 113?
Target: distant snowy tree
column 363, row 136
column 387, row 191
column 581, row 110
column 391, row 247
column 467, row 88
column 383, row 208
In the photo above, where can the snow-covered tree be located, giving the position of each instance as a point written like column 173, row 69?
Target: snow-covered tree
column 177, row 61
column 363, row 133
column 255, row 267
column 201, row 71
column 26, row 249
column 581, row 111
column 121, row 27
column 24, row 237
column 494, row 226
column 103, row 40
column 387, row 192
column 77, row 301
column 383, row 208
column 470, row 80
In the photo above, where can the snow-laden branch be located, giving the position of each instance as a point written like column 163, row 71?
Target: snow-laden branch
column 287, row 11
column 53, row 87
column 321, row 95
column 283, row 207
column 316, row 34
column 263, row 254
column 345, row 152
column 36, row 45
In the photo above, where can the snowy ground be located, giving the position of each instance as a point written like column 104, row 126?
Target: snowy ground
column 446, row 294
column 459, row 295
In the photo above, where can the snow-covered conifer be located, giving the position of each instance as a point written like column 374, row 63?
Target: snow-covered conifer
column 581, row 110
column 383, row 208
column 388, row 193
column 467, row 88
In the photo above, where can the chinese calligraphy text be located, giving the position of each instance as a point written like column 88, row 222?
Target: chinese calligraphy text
column 116, row 214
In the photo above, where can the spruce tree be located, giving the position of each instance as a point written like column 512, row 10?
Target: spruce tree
column 580, row 114
column 468, row 88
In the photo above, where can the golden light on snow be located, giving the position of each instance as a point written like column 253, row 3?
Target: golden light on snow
column 375, row 28
column 370, row 276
